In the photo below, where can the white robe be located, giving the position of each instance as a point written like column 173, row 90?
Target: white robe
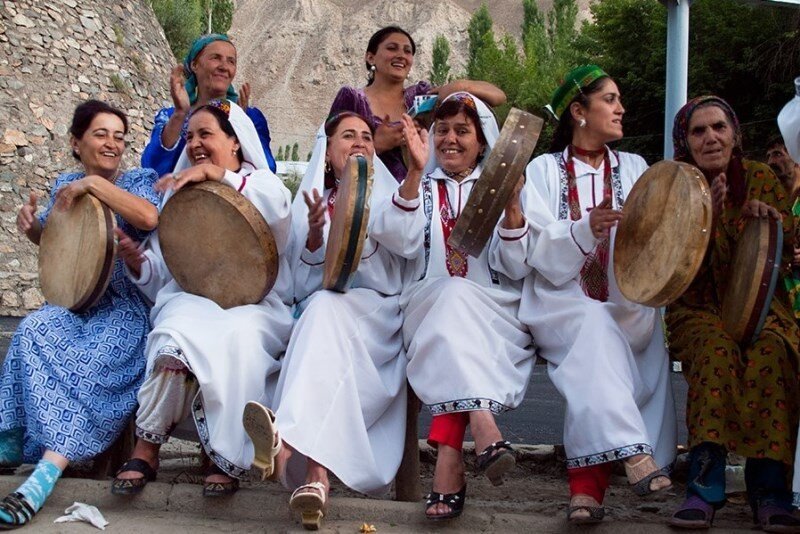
column 467, row 349
column 341, row 395
column 607, row 359
column 234, row 353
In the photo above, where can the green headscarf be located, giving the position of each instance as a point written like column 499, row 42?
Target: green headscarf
column 191, row 79
column 573, row 83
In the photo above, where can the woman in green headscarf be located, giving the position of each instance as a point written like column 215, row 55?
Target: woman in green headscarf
column 206, row 74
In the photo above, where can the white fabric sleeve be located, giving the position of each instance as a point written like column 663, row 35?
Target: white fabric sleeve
column 400, row 226
column 154, row 273
column 309, row 271
column 271, row 198
column 507, row 253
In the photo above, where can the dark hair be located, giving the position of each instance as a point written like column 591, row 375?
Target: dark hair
column 331, row 125
column 380, row 36
column 562, row 137
column 775, row 140
column 224, row 125
column 452, row 107
column 84, row 115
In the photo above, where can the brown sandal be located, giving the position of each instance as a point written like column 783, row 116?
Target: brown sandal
column 219, row 489
column 133, row 486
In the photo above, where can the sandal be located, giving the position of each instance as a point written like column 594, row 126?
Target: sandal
column 454, row 500
column 773, row 518
column 642, row 473
column 694, row 513
column 494, row 466
column 21, row 512
column 310, row 500
column 133, row 486
column 259, row 423
column 581, row 502
column 219, row 489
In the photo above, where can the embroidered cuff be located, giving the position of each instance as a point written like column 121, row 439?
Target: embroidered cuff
column 145, row 272
column 234, row 180
column 315, row 258
column 512, row 234
column 581, row 232
column 167, row 148
column 403, row 204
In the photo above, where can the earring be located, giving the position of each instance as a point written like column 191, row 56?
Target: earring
column 327, row 169
column 582, row 123
column 371, row 73
column 372, row 67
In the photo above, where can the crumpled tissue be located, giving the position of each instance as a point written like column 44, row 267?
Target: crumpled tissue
column 83, row 512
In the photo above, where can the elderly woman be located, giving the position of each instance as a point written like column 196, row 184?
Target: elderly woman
column 605, row 354
column 342, row 391
column 743, row 398
column 69, row 380
column 202, row 359
column 206, row 74
column 469, row 357
column 388, row 59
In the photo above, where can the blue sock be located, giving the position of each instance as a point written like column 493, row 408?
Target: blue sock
column 11, row 447
column 35, row 491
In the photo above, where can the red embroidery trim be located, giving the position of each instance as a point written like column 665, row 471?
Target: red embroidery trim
column 455, row 260
column 332, row 201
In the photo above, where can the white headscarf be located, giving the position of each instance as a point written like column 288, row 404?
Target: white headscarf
column 789, row 123
column 488, row 125
column 383, row 187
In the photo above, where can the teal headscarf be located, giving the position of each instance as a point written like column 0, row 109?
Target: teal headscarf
column 191, row 78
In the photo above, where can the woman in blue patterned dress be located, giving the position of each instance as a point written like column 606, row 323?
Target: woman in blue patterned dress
column 69, row 381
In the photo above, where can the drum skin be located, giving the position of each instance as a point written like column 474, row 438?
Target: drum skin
column 348, row 225
column 662, row 238
column 754, row 274
column 217, row 245
column 501, row 172
column 77, row 250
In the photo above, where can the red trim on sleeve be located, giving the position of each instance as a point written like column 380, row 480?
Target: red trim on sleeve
column 404, row 208
column 244, row 182
column 514, row 238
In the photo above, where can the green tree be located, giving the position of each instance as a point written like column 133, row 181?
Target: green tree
column 287, row 151
column 480, row 36
column 440, row 70
column 308, row 157
column 217, row 15
column 295, row 150
column 180, row 20
column 279, row 157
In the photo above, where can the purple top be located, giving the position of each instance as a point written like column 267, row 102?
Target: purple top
column 354, row 99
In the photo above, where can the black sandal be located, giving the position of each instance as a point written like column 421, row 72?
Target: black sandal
column 133, row 486
column 219, row 489
column 596, row 513
column 494, row 466
column 454, row 500
column 15, row 505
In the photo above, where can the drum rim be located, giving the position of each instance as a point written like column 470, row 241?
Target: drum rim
column 344, row 275
column 108, row 263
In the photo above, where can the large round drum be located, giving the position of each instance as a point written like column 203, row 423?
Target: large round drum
column 663, row 235
column 754, row 274
column 76, row 254
column 217, row 245
column 503, row 169
column 348, row 225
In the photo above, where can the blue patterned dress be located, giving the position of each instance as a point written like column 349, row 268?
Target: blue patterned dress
column 70, row 380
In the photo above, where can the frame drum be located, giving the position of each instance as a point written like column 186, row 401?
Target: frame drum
column 503, row 169
column 663, row 235
column 76, row 254
column 348, row 225
column 754, row 274
column 217, row 245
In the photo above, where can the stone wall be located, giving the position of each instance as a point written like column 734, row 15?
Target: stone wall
column 53, row 55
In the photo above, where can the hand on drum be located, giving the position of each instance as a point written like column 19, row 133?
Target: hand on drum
column 198, row 173
column 26, row 218
column 130, row 252
column 756, row 209
column 244, row 96
column 66, row 196
column 416, row 141
column 719, row 190
column 180, row 98
column 316, row 219
column 603, row 217
column 513, row 210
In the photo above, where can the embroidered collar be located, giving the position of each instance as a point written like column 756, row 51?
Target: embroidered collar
column 473, row 174
column 580, row 165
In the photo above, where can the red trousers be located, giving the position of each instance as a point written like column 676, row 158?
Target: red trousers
column 592, row 480
column 448, row 429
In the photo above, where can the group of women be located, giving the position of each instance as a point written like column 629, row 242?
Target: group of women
column 310, row 381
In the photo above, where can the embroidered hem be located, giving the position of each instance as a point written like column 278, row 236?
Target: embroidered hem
column 199, row 414
column 468, row 405
column 151, row 437
column 609, row 456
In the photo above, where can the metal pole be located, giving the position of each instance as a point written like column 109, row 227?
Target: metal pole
column 677, row 65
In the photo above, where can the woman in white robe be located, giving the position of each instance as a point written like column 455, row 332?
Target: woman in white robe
column 203, row 359
column 469, row 356
column 605, row 354
column 341, row 396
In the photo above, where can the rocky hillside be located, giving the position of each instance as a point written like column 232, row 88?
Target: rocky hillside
column 297, row 53
column 54, row 54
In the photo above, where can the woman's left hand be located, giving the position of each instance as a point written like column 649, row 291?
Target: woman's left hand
column 244, row 96
column 796, row 257
column 198, row 173
column 513, row 210
column 757, row 209
column 65, row 197
column 416, row 141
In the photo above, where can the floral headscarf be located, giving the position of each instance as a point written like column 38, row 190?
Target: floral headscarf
column 191, row 79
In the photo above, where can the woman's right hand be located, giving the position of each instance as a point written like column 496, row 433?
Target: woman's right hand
column 603, row 218
column 416, row 140
column 388, row 135
column 177, row 89
column 316, row 219
column 26, row 218
column 719, row 190
column 130, row 252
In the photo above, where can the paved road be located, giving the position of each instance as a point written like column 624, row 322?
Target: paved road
column 539, row 419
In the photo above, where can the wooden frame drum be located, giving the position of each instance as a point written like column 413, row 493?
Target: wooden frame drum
column 216, row 244
column 503, row 169
column 348, row 228
column 754, row 273
column 662, row 238
column 77, row 250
